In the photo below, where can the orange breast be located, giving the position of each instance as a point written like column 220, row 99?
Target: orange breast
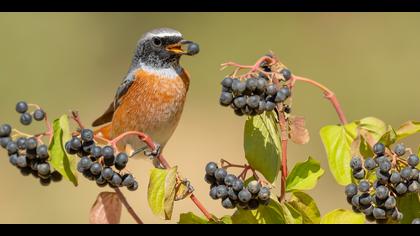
column 153, row 105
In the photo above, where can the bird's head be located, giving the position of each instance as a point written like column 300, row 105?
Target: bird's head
column 162, row 48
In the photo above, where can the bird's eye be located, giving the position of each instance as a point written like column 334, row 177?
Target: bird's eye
column 157, row 41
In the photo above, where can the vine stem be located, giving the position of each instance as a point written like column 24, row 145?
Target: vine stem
column 123, row 199
column 127, row 206
column 328, row 95
column 149, row 142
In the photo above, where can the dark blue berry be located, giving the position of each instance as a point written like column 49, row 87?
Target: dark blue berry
column 271, row 90
column 253, row 101
column 382, row 192
column 22, row 161
column 31, row 143
column 240, row 101
column 121, row 161
column 211, row 167
column 364, row 186
column 227, row 82
column 351, row 190
column 370, row 164
column 128, row 180
column 87, row 135
column 5, row 130
column 95, row 168
column 264, row 194
column 133, row 187
column 379, row 149
column 244, row 195
column 116, row 180
column 21, row 107
column 413, row 160
column 25, row 119
column 96, row 152
column 42, row 152
column 85, row 163
column 399, row 149
column 221, row 191
column 238, row 185
column 4, row 141
column 226, row 99
column 356, row 163
column 220, row 174
column 229, row 180
column 39, row 115
column 43, row 169
column 286, row 74
column 107, row 173
column 251, row 84
column 227, row 203
column 12, row 147
column 21, row 143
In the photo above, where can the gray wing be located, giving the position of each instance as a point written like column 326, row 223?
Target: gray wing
column 109, row 113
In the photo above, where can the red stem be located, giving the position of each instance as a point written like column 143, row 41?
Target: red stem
column 149, row 142
column 328, row 95
column 128, row 207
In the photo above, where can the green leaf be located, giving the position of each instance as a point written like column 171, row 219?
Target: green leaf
column 337, row 141
column 291, row 215
column 161, row 191
column 262, row 144
column 270, row 214
column 408, row 128
column 306, row 206
column 64, row 163
column 374, row 126
column 190, row 218
column 304, row 175
column 409, row 205
column 227, row 220
column 389, row 138
column 340, row 216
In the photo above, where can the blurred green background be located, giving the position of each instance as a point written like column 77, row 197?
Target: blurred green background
column 66, row 61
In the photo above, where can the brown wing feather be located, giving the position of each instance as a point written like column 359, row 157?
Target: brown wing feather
column 106, row 117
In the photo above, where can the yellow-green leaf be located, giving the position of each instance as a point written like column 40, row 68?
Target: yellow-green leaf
column 161, row 191
column 374, row 126
column 408, row 128
column 191, row 218
column 271, row 214
column 306, row 206
column 291, row 215
column 337, row 141
column 341, row 216
column 262, row 144
column 409, row 205
column 64, row 163
column 304, row 175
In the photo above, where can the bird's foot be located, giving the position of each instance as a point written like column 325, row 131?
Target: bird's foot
column 184, row 189
column 153, row 154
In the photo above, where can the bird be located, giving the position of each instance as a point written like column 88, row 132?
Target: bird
column 152, row 94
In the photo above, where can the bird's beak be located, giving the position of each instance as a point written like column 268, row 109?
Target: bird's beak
column 184, row 47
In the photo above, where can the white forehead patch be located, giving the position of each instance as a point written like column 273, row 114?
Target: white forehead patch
column 161, row 32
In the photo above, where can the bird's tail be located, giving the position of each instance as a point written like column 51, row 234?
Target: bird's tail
column 104, row 131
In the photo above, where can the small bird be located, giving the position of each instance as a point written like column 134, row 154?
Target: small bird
column 151, row 97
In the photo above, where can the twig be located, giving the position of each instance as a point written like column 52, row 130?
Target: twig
column 76, row 118
column 127, row 206
column 328, row 95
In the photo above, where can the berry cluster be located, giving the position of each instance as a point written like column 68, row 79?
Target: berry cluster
column 96, row 162
column 255, row 95
column 231, row 190
column 26, row 117
column 394, row 177
column 28, row 155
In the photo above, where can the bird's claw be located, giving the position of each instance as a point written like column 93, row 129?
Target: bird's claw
column 187, row 183
column 153, row 154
